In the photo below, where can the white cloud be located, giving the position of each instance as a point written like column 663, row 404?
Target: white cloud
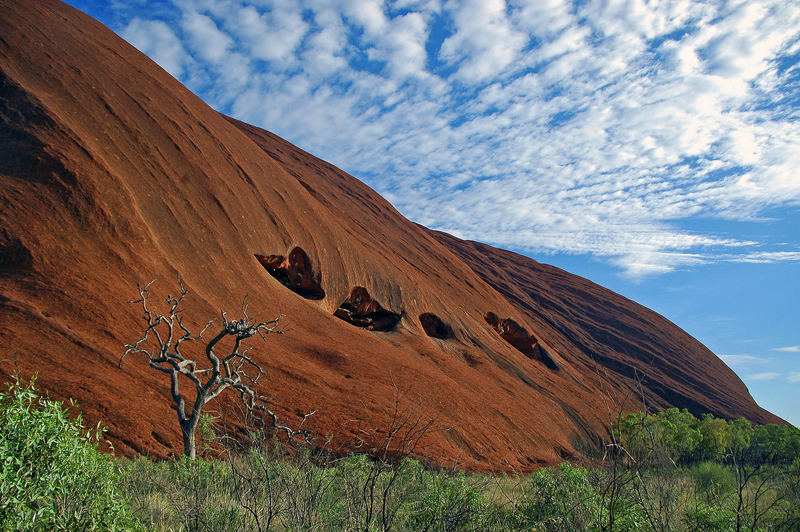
column 367, row 14
column 325, row 53
column 788, row 349
column 768, row 257
column 272, row 36
column 205, row 37
column 743, row 360
column 404, row 46
column 794, row 377
column 544, row 18
column 764, row 376
column 157, row 40
column 485, row 41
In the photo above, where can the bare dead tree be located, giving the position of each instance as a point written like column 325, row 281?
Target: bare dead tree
column 166, row 342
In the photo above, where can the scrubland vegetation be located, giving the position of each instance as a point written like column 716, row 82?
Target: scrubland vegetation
column 663, row 471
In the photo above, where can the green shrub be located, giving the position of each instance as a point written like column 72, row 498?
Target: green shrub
column 558, row 499
column 198, row 494
column 372, row 493
column 713, row 479
column 52, row 477
column 187, row 495
column 707, row 517
column 447, row 501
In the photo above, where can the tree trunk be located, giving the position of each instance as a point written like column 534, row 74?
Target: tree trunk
column 189, row 440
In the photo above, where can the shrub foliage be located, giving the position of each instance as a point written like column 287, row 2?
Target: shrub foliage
column 52, row 477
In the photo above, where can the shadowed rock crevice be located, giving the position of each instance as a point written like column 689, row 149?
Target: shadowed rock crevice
column 434, row 326
column 516, row 335
column 14, row 256
column 24, row 155
column 295, row 273
column 361, row 310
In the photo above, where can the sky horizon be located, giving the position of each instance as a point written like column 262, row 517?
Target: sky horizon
column 654, row 149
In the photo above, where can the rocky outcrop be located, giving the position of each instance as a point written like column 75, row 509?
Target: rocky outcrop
column 361, row 310
column 112, row 173
column 516, row 335
column 294, row 272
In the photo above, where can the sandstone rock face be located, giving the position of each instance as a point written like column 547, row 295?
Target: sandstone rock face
column 112, row 174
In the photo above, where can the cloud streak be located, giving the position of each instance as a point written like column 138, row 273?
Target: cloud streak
column 547, row 127
column 788, row 349
column 743, row 360
column 763, row 376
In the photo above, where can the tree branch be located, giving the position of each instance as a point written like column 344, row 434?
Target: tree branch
column 165, row 340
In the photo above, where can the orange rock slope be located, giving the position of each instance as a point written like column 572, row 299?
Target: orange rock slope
column 113, row 173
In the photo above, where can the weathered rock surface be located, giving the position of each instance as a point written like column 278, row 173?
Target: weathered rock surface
column 113, row 173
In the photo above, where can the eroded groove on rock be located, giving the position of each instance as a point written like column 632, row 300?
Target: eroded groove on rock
column 361, row 310
column 434, row 326
column 516, row 335
column 294, row 272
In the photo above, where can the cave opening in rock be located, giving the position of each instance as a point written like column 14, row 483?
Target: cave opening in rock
column 434, row 326
column 518, row 337
column 295, row 272
column 361, row 310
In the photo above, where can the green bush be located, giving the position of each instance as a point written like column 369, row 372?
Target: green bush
column 558, row 499
column 707, row 517
column 446, row 501
column 52, row 477
column 713, row 479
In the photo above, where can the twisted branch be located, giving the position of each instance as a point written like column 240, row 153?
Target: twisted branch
column 165, row 345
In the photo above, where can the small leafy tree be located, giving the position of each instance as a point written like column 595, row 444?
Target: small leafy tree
column 714, row 441
column 52, row 477
column 165, row 343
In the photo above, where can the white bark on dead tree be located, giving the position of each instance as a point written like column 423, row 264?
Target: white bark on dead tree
column 163, row 343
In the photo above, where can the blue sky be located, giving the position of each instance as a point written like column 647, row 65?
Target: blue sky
column 653, row 147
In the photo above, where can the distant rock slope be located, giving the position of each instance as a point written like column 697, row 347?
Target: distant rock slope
column 113, row 173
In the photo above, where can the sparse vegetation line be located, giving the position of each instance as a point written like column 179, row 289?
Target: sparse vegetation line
column 53, row 477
